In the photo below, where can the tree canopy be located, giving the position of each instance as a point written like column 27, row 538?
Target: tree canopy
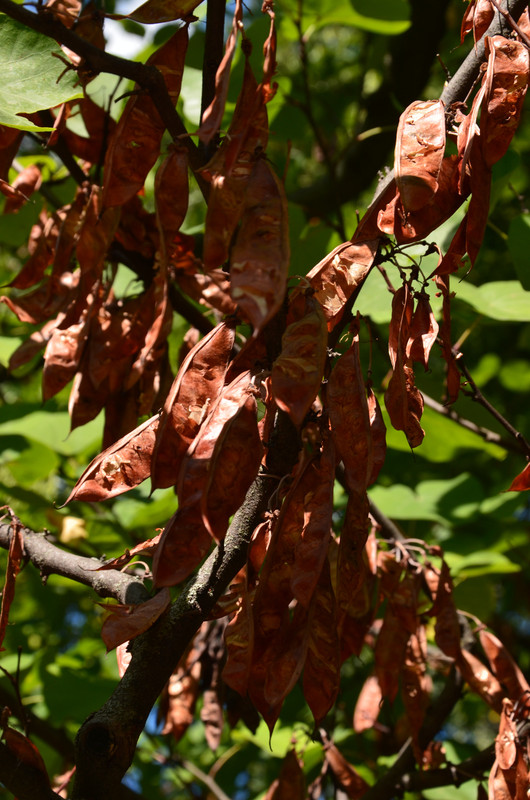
column 264, row 355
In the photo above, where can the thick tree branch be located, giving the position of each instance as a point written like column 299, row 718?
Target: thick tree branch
column 387, row 787
column 106, row 742
column 452, row 775
column 51, row 560
column 213, row 55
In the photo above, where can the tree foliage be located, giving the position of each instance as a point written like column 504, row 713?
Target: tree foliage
column 268, row 406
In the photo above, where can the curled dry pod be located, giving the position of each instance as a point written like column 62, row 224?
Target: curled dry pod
column 356, row 423
column 506, row 85
column 212, row 116
column 504, row 667
column 298, row 370
column 403, row 400
column 197, row 385
column 339, row 274
column 125, row 622
column 353, row 784
column 135, row 145
column 171, row 197
column 232, row 467
column 122, row 466
column 480, row 679
column 368, row 705
column 230, row 168
column 423, row 331
column 322, row 664
column 260, row 257
column 420, row 145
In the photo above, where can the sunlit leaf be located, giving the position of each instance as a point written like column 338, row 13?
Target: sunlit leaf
column 31, row 66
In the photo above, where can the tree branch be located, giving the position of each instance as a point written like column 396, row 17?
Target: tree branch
column 106, row 741
column 460, row 84
column 489, row 436
column 478, row 397
column 51, row 560
column 387, row 787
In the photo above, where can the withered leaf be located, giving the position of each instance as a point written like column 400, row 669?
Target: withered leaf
column 298, row 370
column 420, row 145
column 127, row 622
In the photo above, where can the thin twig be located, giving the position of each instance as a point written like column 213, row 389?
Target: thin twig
column 511, row 22
column 307, row 108
column 145, row 75
column 479, row 398
column 485, row 433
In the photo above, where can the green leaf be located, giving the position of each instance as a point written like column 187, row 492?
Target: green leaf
column 52, row 429
column 519, row 247
column 444, row 439
column 8, row 345
column 32, row 75
column 388, row 17
column 506, row 301
column 27, row 461
column 481, row 562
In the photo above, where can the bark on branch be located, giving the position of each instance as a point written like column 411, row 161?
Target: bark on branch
column 51, row 560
